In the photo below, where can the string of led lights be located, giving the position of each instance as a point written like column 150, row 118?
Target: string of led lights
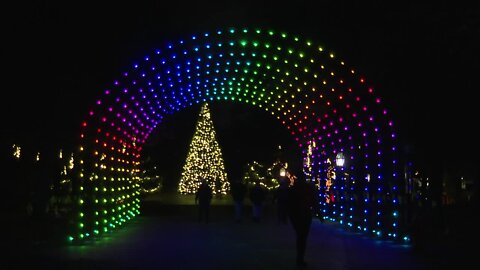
column 322, row 102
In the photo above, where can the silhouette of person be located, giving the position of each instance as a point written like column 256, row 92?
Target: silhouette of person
column 280, row 197
column 257, row 197
column 238, row 191
column 203, row 197
column 302, row 204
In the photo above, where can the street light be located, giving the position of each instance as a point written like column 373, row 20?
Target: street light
column 340, row 159
column 283, row 169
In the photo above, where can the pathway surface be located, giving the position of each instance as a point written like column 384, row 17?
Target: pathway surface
column 168, row 236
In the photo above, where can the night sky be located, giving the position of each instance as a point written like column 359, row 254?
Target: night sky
column 421, row 58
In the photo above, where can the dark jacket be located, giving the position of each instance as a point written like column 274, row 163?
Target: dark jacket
column 257, row 195
column 204, row 194
column 303, row 200
column 238, row 191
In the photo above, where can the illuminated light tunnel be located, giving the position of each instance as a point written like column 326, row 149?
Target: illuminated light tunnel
column 327, row 107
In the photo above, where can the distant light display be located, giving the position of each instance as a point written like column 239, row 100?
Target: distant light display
column 17, row 151
column 204, row 159
column 327, row 106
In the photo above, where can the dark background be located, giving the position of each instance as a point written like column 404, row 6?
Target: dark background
column 58, row 57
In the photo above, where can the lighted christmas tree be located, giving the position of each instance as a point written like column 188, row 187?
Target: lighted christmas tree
column 268, row 177
column 204, row 159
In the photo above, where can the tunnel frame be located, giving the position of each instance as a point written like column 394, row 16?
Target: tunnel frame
column 327, row 107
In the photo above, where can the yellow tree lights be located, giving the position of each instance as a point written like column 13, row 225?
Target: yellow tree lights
column 204, row 159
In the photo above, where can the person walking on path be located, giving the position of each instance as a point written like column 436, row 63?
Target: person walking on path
column 203, row 198
column 280, row 198
column 238, row 191
column 257, row 197
column 303, row 204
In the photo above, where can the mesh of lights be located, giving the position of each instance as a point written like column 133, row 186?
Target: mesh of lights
column 314, row 94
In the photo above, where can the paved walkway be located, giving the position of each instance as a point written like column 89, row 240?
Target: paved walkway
column 168, row 236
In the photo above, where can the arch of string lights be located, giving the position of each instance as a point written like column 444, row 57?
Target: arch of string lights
column 327, row 106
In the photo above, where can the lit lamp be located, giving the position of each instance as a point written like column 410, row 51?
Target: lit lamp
column 340, row 159
column 282, row 172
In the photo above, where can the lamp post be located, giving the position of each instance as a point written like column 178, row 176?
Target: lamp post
column 285, row 176
column 340, row 159
column 341, row 188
